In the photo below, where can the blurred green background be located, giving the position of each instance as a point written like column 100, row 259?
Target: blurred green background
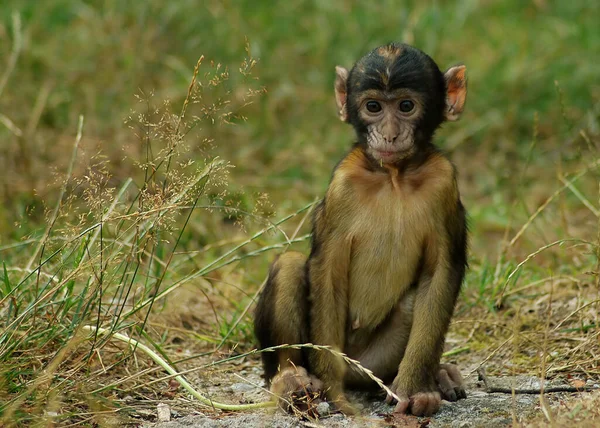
column 91, row 57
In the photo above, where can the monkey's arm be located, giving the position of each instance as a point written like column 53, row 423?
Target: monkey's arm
column 438, row 288
column 328, row 268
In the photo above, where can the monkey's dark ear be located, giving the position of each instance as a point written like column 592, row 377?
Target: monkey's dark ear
column 456, row 91
column 341, row 91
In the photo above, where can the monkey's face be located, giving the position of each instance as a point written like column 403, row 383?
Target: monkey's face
column 388, row 120
column 396, row 97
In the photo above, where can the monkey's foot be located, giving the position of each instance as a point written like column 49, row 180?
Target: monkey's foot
column 419, row 400
column 297, row 391
column 450, row 386
column 419, row 404
column 344, row 406
column 450, row 382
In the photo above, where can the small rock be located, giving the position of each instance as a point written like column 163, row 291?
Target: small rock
column 533, row 384
column 241, row 387
column 163, row 412
column 323, row 408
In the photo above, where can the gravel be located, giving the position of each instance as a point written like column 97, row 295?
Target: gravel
column 479, row 409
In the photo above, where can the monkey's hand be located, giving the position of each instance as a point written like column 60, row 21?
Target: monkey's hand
column 423, row 401
column 336, row 395
column 450, row 382
column 296, row 389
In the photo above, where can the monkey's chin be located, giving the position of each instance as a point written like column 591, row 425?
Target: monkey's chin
column 389, row 156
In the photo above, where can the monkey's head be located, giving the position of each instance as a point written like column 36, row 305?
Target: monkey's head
column 396, row 97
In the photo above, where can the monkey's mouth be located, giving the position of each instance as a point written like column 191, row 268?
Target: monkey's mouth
column 386, row 155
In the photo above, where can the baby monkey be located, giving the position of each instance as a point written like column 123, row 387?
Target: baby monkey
column 389, row 247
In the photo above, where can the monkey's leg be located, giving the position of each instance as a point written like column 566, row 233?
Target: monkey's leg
column 449, row 379
column 282, row 318
column 417, row 380
column 381, row 351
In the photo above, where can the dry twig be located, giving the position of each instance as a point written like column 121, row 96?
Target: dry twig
column 489, row 388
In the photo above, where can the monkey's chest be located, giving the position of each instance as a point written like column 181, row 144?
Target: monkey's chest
column 387, row 248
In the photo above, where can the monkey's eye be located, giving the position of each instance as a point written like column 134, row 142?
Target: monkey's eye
column 373, row 106
column 406, row 106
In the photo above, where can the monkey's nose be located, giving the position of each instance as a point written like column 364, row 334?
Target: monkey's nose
column 390, row 138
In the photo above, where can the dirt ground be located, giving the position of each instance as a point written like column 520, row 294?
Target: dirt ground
column 480, row 409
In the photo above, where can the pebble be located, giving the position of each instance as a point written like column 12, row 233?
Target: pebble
column 241, row 387
column 163, row 412
column 323, row 408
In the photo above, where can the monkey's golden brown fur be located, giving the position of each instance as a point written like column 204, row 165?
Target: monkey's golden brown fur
column 388, row 253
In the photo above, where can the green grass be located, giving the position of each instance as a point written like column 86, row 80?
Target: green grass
column 143, row 217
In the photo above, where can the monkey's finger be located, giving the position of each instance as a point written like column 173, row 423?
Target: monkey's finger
column 345, row 407
column 316, row 384
column 403, row 404
column 447, row 387
column 456, row 377
column 388, row 398
column 453, row 373
column 460, row 392
column 434, row 402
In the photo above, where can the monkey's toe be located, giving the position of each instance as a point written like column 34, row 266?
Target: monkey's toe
column 447, row 387
column 450, row 382
column 344, row 406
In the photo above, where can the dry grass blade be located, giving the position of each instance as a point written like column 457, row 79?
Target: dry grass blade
column 16, row 51
column 219, row 262
column 580, row 196
column 531, row 256
column 10, row 125
column 543, row 206
column 160, row 361
column 59, row 201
